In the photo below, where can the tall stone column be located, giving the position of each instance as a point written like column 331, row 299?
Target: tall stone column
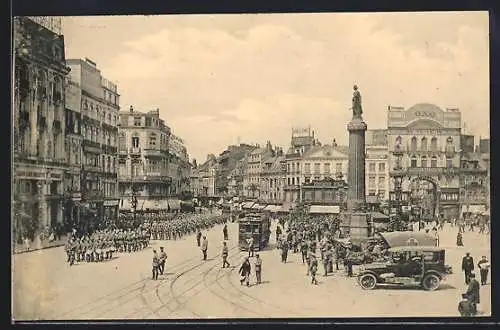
column 356, row 169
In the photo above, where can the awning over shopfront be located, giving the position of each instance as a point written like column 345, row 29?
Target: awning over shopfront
column 380, row 217
column 324, row 209
column 175, row 204
column 247, row 205
column 272, row 208
column 407, row 238
column 478, row 209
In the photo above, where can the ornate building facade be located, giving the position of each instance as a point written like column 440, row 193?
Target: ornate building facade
column 273, row 178
column 99, row 131
column 429, row 139
column 253, row 171
column 203, row 178
column 143, row 160
column 179, row 168
column 377, row 167
column 39, row 160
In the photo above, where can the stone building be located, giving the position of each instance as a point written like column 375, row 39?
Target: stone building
column 39, row 160
column 429, row 138
column 474, row 179
column 203, row 179
column 179, row 168
column 100, row 104
column 253, row 171
column 228, row 161
column 377, row 169
column 143, row 160
column 73, row 150
column 273, row 178
column 235, row 179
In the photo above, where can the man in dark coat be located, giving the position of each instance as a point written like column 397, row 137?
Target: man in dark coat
column 284, row 251
column 198, row 237
column 467, row 266
column 472, row 293
column 224, row 231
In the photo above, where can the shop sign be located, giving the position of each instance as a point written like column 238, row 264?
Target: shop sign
column 425, row 114
column 111, row 203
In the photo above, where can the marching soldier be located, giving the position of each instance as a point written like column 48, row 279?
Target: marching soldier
column 162, row 259
column 225, row 253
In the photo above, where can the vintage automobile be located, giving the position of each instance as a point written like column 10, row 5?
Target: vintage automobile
column 422, row 266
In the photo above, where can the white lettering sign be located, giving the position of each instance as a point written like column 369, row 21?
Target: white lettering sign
column 425, row 114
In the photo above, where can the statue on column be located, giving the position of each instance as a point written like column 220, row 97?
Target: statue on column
column 357, row 110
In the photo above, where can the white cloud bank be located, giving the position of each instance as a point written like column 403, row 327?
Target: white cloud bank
column 256, row 80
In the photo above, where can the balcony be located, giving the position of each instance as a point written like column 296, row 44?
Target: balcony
column 292, row 187
column 135, row 151
column 153, row 153
column 425, row 171
column 92, row 195
column 92, row 168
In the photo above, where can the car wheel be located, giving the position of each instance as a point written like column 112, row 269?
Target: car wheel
column 367, row 281
column 431, row 282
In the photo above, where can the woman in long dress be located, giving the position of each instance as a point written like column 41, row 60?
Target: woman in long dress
column 245, row 272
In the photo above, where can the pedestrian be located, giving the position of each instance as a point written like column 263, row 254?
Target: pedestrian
column 224, row 231
column 204, row 247
column 245, row 272
column 278, row 233
column 225, row 252
column 303, row 250
column 459, row 239
column 198, row 237
column 163, row 258
column 156, row 262
column 484, row 267
column 250, row 246
column 473, row 292
column 258, row 268
column 467, row 266
column 314, row 269
column 348, row 262
column 284, row 251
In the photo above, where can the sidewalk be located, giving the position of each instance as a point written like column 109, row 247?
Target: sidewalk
column 39, row 245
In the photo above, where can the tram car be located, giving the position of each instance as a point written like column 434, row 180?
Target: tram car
column 256, row 225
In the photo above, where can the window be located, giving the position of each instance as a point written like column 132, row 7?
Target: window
column 307, row 179
column 372, row 167
column 434, row 144
column 413, row 162
column 135, row 142
column 372, row 192
column 423, row 146
column 316, row 167
column 371, row 182
column 381, row 193
column 338, row 167
column 413, row 146
column 152, row 140
column 137, row 121
column 434, row 161
column 307, row 168
column 424, row 161
column 449, row 162
column 327, row 167
column 381, row 181
column 381, row 167
column 148, row 121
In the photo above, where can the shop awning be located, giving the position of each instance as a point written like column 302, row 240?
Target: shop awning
column 258, row 206
column 324, row 209
column 175, row 204
column 379, row 217
column 124, row 204
column 406, row 238
column 272, row 208
column 474, row 209
column 247, row 205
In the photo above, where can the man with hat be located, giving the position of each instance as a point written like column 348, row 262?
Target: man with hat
column 472, row 293
column 467, row 266
column 163, row 258
column 225, row 253
column 484, row 266
column 258, row 268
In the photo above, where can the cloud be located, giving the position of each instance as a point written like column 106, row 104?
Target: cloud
column 215, row 79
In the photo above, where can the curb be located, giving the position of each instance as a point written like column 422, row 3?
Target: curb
column 38, row 249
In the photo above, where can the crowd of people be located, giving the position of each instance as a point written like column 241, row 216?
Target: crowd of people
column 101, row 244
column 182, row 224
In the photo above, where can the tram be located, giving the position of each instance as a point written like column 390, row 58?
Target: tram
column 256, row 225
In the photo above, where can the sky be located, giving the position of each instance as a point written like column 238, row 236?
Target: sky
column 220, row 79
